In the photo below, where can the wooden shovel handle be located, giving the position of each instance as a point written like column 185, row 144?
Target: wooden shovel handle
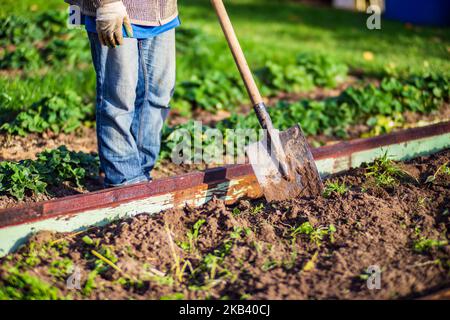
column 236, row 50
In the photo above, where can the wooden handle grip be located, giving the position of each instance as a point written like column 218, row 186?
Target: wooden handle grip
column 236, row 50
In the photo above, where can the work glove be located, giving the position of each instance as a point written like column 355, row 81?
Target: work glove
column 110, row 19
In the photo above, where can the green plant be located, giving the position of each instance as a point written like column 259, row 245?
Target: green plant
column 325, row 71
column 309, row 70
column 40, row 41
column 236, row 211
column 334, row 187
column 60, row 268
column 381, row 108
column 257, row 209
column 179, row 265
column 90, row 282
column 57, row 113
column 192, row 236
column 424, row 244
column 289, row 78
column 269, row 264
column 315, row 235
column 17, row 285
column 443, row 169
column 212, row 263
column 87, row 240
column 18, row 178
column 210, row 91
column 173, row 296
column 59, row 165
column 384, row 171
column 51, row 168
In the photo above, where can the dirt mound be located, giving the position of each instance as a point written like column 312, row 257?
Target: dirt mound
column 308, row 248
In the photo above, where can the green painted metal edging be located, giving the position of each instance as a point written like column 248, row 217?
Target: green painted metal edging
column 400, row 151
column 11, row 237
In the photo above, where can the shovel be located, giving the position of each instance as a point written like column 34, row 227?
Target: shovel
column 282, row 161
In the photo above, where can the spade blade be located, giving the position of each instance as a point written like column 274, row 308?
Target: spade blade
column 303, row 178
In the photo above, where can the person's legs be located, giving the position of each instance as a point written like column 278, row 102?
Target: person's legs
column 155, row 89
column 117, row 79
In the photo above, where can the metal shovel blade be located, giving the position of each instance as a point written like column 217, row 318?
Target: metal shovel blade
column 303, row 179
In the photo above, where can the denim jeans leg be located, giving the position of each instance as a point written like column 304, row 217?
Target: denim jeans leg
column 117, row 79
column 155, row 89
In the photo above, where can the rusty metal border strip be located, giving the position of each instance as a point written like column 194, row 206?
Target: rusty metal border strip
column 185, row 186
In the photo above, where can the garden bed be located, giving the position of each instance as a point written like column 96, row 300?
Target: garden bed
column 394, row 216
column 61, row 172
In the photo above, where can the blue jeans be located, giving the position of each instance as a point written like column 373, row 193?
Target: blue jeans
column 135, row 82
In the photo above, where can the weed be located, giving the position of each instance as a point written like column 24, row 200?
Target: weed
column 443, row 169
column 311, row 263
column 212, row 262
column 269, row 264
column 236, row 211
column 315, row 235
column 334, row 187
column 421, row 201
column 179, row 266
column 111, row 261
column 174, row 296
column 384, row 171
column 90, row 282
column 245, row 296
column 425, row 244
column 257, row 209
column 192, row 236
column 60, row 268
column 19, row 285
column 162, row 280
column 87, row 240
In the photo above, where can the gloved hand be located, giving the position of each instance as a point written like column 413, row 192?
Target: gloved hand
column 110, row 19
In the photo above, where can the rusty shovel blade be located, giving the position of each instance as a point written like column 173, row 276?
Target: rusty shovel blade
column 303, row 178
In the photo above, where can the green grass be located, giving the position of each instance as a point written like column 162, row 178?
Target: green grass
column 277, row 32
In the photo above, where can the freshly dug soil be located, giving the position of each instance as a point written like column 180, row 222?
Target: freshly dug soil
column 307, row 248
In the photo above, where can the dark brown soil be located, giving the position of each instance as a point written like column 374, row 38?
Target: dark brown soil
column 248, row 250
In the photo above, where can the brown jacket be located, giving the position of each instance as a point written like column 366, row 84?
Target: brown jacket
column 142, row 12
